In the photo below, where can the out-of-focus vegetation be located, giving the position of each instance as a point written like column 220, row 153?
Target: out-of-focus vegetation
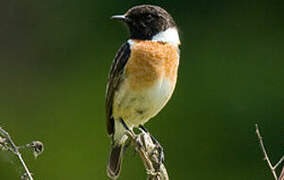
column 54, row 60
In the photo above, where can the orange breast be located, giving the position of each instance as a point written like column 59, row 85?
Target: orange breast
column 149, row 62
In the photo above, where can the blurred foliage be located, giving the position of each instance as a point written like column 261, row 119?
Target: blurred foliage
column 54, row 60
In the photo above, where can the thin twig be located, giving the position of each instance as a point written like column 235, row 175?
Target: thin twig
column 272, row 168
column 279, row 162
column 147, row 150
column 15, row 149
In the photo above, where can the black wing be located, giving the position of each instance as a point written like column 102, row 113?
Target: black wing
column 114, row 79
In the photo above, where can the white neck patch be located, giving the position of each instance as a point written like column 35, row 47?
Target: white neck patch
column 170, row 36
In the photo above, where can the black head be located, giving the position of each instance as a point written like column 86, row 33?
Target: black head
column 145, row 21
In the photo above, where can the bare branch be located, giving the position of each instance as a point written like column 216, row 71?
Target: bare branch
column 272, row 168
column 149, row 154
column 7, row 143
column 279, row 162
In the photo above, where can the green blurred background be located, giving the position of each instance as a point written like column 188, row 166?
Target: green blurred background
column 54, row 60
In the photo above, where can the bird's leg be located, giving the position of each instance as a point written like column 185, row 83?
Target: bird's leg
column 124, row 125
column 159, row 148
column 131, row 133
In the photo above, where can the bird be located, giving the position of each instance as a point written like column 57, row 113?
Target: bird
column 142, row 77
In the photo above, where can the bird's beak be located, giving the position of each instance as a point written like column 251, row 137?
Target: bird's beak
column 120, row 18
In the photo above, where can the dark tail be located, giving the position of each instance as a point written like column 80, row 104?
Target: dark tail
column 115, row 160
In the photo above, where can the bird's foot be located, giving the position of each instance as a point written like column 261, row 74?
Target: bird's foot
column 132, row 134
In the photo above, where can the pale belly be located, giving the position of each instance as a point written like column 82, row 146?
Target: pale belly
column 137, row 107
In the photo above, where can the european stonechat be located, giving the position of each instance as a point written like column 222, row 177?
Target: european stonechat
column 142, row 77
